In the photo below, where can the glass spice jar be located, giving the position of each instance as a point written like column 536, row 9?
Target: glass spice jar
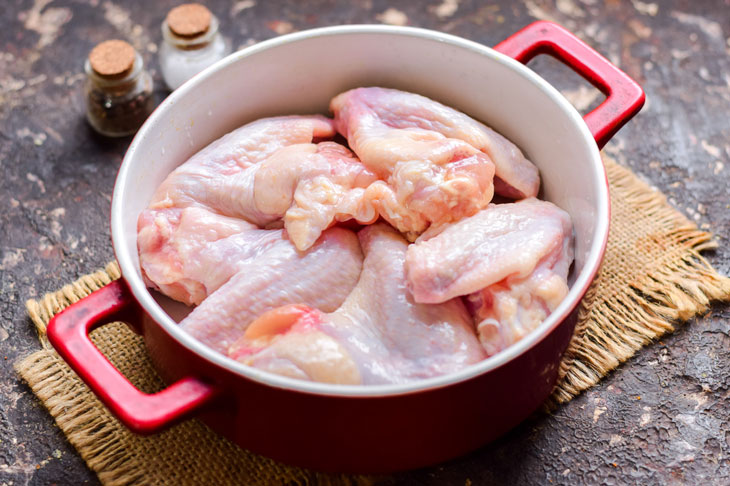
column 118, row 89
column 191, row 43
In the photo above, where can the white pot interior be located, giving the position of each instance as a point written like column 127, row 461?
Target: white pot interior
column 300, row 73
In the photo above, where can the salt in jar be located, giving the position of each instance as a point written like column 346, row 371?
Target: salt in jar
column 191, row 43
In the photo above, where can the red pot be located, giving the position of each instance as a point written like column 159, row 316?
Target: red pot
column 350, row 428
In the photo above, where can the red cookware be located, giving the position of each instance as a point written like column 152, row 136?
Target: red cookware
column 349, row 428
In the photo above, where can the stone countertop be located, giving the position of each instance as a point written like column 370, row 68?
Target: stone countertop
column 661, row 418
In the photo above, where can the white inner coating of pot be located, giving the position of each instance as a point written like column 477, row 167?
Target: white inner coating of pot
column 299, row 73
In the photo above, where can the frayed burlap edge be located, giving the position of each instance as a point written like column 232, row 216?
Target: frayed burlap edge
column 92, row 432
column 679, row 285
column 41, row 311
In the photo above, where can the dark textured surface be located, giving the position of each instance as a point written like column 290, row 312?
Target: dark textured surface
column 661, row 418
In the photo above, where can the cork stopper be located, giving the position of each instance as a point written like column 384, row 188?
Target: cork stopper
column 189, row 20
column 112, row 59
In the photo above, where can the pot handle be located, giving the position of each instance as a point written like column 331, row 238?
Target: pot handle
column 142, row 413
column 624, row 97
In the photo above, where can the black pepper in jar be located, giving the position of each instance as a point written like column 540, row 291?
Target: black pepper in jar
column 118, row 89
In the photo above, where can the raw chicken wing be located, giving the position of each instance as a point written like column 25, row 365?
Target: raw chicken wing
column 511, row 260
column 378, row 335
column 507, row 311
column 308, row 185
column 267, row 171
column 192, row 239
column 429, row 155
column 384, row 126
column 181, row 251
column 194, row 183
column 279, row 274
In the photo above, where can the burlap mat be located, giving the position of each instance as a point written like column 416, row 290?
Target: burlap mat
column 653, row 278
